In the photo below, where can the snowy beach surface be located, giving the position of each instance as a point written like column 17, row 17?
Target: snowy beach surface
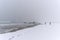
column 40, row 32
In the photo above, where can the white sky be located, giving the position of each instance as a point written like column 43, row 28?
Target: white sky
column 29, row 10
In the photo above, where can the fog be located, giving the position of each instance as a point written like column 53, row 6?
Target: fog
column 30, row 10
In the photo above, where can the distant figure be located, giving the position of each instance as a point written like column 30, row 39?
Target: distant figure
column 33, row 22
column 45, row 22
column 25, row 22
column 49, row 23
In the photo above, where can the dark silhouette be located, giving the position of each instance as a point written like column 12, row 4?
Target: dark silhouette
column 49, row 23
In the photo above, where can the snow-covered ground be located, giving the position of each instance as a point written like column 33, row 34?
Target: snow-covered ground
column 40, row 32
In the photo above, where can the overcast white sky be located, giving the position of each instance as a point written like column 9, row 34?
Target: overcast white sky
column 29, row 10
